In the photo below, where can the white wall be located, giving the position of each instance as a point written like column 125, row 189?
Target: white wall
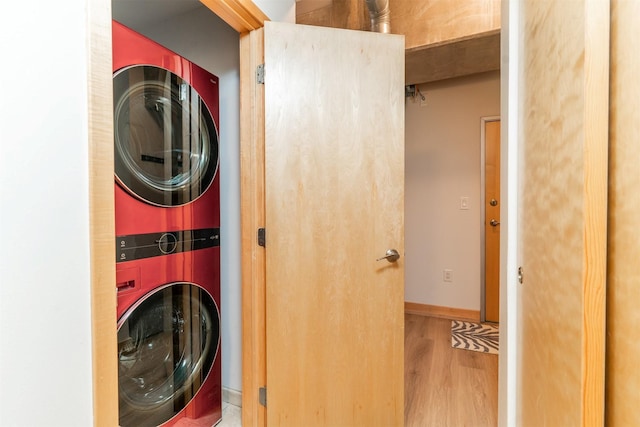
column 278, row 10
column 442, row 165
column 45, row 319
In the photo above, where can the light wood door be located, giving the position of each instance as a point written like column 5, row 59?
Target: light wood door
column 623, row 285
column 563, row 144
column 334, row 173
column 492, row 221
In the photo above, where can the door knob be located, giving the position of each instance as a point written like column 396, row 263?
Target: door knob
column 494, row 223
column 392, row 256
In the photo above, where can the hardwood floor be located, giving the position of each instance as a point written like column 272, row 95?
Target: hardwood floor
column 446, row 387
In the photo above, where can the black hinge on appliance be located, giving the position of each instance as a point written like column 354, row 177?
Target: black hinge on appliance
column 262, row 237
column 262, row 396
column 260, row 74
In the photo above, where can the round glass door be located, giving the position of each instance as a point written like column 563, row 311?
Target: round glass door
column 166, row 142
column 167, row 344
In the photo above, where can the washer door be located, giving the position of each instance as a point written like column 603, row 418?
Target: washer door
column 167, row 344
column 166, row 143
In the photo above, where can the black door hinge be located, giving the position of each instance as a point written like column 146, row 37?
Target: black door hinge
column 262, row 396
column 262, row 237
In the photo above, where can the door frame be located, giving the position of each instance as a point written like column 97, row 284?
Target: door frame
column 510, row 68
column 483, row 122
column 252, row 217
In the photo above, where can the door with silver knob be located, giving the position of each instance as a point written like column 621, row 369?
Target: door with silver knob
column 334, row 204
column 491, row 287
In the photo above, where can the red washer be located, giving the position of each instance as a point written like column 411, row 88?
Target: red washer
column 167, row 214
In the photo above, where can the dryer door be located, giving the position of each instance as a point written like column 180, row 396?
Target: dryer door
column 167, row 344
column 166, row 142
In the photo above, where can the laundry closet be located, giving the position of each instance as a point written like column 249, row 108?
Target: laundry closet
column 196, row 34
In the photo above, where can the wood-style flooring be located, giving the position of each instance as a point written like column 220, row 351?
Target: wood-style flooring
column 446, row 387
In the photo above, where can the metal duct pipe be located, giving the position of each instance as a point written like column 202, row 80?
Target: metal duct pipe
column 380, row 15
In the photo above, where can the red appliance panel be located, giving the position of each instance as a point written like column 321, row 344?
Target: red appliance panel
column 181, row 263
column 133, row 215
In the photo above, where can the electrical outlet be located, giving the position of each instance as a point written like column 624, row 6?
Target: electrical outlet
column 447, row 275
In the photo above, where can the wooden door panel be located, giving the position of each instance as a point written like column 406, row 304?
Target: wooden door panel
column 562, row 212
column 492, row 212
column 334, row 155
column 623, row 284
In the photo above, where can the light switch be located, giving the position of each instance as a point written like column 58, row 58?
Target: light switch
column 464, row 203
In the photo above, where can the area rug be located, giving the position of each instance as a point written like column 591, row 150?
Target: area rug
column 480, row 337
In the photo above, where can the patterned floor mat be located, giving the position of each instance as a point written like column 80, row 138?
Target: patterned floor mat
column 475, row 336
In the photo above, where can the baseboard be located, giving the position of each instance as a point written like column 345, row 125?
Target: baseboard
column 444, row 312
column 231, row 396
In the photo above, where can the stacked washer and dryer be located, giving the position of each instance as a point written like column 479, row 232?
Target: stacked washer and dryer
column 167, row 212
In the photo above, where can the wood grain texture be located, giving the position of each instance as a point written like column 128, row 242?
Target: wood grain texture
column 428, row 22
column 423, row 23
column 306, row 6
column 562, row 212
column 345, row 14
column 623, row 294
column 241, row 15
column 453, row 58
column 441, row 312
column 444, row 38
column 446, row 387
column 334, row 203
column 252, row 217
column 492, row 233
column 102, row 231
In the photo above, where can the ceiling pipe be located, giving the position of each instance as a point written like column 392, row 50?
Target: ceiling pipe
column 380, row 15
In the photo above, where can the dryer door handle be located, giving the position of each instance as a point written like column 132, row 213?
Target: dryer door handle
column 127, row 278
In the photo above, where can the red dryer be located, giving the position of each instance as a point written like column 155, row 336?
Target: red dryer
column 167, row 213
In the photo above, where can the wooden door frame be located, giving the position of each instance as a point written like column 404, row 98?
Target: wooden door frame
column 483, row 122
column 102, row 235
column 252, row 217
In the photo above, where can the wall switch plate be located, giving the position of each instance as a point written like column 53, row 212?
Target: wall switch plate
column 464, row 203
column 447, row 275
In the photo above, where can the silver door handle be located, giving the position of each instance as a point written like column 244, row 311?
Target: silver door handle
column 392, row 256
column 494, row 223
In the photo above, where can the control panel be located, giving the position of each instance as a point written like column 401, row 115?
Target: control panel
column 139, row 246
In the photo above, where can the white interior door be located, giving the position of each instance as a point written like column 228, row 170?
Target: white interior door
column 334, row 180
